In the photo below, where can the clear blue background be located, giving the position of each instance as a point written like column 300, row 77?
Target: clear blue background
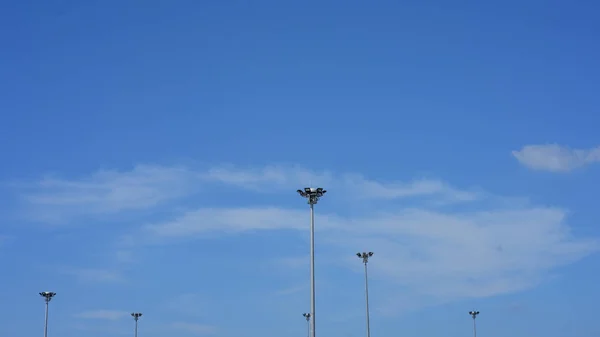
column 389, row 89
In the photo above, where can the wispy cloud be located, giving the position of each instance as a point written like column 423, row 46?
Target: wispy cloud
column 107, row 192
column 194, row 328
column 225, row 220
column 446, row 255
column 347, row 184
column 556, row 158
column 102, row 314
column 489, row 248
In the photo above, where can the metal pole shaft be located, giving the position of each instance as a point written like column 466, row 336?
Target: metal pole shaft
column 367, row 299
column 474, row 328
column 312, row 270
column 46, row 322
column 136, row 325
column 308, row 327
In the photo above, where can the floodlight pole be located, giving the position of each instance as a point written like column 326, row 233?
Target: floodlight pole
column 313, row 195
column 307, row 317
column 136, row 316
column 474, row 314
column 364, row 256
column 47, row 295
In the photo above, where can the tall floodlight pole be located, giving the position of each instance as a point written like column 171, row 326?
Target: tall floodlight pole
column 136, row 316
column 474, row 315
column 307, row 316
column 47, row 295
column 364, row 256
column 313, row 195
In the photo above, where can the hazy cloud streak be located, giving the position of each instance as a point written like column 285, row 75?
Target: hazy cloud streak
column 556, row 158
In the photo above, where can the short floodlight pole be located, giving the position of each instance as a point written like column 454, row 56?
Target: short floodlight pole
column 364, row 256
column 313, row 195
column 136, row 316
column 307, row 317
column 474, row 314
column 47, row 295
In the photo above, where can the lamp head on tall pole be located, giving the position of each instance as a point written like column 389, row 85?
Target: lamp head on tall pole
column 364, row 256
column 47, row 295
column 312, row 194
column 474, row 313
column 136, row 315
column 307, row 316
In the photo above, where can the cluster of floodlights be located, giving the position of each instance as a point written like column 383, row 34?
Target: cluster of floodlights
column 48, row 295
column 312, row 194
column 364, row 256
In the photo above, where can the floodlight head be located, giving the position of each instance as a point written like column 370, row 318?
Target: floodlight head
column 47, row 295
column 364, row 256
column 312, row 194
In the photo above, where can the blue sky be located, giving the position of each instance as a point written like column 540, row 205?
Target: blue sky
column 151, row 151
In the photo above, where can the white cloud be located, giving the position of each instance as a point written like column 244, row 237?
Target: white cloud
column 439, row 255
column 107, row 192
column 556, row 158
column 492, row 248
column 103, row 314
column 211, row 220
column 276, row 178
column 194, row 328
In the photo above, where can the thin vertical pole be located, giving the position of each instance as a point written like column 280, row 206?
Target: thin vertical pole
column 312, row 269
column 46, row 323
column 474, row 327
column 308, row 325
column 136, row 326
column 367, row 299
